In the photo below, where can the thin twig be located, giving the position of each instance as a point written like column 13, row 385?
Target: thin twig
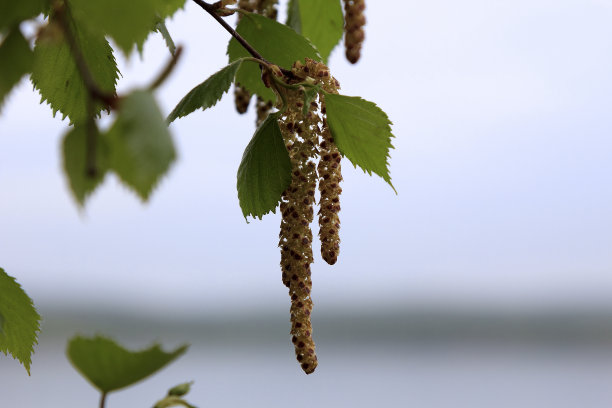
column 211, row 9
column 168, row 69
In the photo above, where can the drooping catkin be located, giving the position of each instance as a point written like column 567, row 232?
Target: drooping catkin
column 300, row 133
column 308, row 139
column 354, row 34
column 330, row 176
column 329, row 170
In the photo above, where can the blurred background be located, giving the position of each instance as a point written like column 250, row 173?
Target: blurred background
column 485, row 282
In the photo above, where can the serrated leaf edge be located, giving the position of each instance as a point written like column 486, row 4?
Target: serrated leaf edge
column 387, row 176
column 176, row 114
column 28, row 361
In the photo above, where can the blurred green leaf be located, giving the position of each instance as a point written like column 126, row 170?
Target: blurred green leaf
column 55, row 74
column 16, row 60
column 321, row 21
column 74, row 148
column 109, row 367
column 294, row 20
column 362, row 132
column 265, row 170
column 14, row 12
column 20, row 322
column 127, row 22
column 141, row 148
column 167, row 8
column 276, row 42
column 208, row 93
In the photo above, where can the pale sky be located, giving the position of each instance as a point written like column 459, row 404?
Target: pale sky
column 502, row 114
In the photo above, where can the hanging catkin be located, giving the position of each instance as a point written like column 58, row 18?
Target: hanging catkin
column 304, row 136
column 353, row 28
column 329, row 170
column 300, row 133
column 330, row 176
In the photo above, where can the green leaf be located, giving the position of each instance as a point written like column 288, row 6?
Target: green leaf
column 362, row 132
column 265, row 170
column 167, row 8
column 294, row 20
column 20, row 322
column 208, row 93
column 109, row 367
column 127, row 22
column 276, row 42
column 14, row 12
column 17, row 59
column 321, row 21
column 141, row 147
column 55, row 74
column 74, row 148
column 161, row 28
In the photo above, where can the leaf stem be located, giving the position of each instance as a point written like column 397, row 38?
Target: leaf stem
column 91, row 167
column 103, row 400
column 211, row 9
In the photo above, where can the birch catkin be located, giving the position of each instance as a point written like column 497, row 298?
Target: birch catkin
column 354, row 20
column 308, row 140
column 330, row 176
column 301, row 139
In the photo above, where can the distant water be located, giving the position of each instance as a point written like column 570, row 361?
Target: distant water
column 400, row 361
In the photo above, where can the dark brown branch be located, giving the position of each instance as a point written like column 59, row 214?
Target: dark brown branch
column 212, row 10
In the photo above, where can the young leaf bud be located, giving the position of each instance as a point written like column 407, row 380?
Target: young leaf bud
column 181, row 389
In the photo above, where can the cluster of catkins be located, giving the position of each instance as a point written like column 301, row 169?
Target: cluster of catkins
column 354, row 20
column 242, row 97
column 308, row 140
